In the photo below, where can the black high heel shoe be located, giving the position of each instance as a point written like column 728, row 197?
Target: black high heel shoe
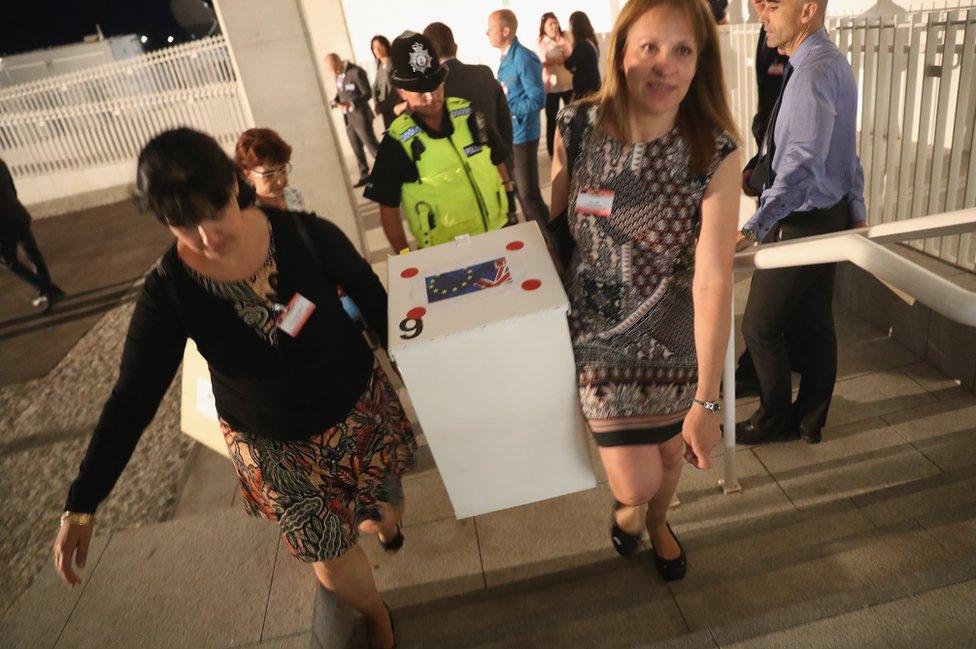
column 624, row 542
column 671, row 569
column 394, row 544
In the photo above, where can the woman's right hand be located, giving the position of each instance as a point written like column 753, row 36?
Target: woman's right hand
column 71, row 546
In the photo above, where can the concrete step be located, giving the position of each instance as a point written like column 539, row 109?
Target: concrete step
column 941, row 617
column 217, row 579
column 754, row 580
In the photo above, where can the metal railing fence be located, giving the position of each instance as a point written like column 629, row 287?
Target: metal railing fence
column 107, row 113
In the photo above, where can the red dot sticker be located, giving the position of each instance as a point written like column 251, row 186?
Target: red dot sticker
column 417, row 312
column 531, row 284
column 515, row 245
column 409, row 272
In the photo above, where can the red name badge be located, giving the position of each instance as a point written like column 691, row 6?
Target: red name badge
column 295, row 315
column 594, row 202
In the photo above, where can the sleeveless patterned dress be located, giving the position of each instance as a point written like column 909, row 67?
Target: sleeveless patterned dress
column 632, row 316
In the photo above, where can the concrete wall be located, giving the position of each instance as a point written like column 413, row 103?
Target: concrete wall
column 947, row 345
column 327, row 29
column 277, row 67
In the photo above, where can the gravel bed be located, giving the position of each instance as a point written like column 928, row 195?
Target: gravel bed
column 44, row 429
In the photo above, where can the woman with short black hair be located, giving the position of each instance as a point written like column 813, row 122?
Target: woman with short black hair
column 315, row 431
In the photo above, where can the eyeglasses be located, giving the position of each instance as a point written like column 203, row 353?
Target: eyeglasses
column 283, row 170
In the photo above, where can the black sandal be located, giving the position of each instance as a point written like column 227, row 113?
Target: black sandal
column 671, row 569
column 624, row 543
column 394, row 544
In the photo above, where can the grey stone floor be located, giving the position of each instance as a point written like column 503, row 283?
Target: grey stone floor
column 57, row 370
column 44, row 429
column 867, row 539
column 95, row 255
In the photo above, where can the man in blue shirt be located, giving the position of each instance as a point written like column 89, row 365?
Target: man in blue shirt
column 520, row 74
column 811, row 183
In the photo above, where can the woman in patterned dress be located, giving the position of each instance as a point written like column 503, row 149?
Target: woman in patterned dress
column 651, row 204
column 315, row 431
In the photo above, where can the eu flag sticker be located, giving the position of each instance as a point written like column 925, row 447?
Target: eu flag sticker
column 470, row 279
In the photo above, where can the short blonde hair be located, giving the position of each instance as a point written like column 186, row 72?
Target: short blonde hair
column 703, row 109
column 507, row 17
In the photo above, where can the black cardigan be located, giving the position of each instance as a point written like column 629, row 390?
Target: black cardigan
column 584, row 63
column 291, row 392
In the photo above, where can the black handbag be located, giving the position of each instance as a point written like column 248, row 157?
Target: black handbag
column 560, row 239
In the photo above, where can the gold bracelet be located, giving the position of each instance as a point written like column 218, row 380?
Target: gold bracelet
column 76, row 518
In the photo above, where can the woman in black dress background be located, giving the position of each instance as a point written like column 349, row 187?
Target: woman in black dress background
column 583, row 62
column 385, row 97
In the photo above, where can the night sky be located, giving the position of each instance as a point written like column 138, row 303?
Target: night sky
column 34, row 24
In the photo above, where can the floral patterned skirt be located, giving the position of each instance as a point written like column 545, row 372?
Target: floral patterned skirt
column 320, row 489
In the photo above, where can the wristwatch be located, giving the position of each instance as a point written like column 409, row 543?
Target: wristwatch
column 749, row 234
column 710, row 406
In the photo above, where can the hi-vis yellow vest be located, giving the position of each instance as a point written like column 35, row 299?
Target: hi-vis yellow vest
column 459, row 190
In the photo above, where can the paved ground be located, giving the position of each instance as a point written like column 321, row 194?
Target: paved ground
column 56, row 373
column 95, row 255
column 865, row 540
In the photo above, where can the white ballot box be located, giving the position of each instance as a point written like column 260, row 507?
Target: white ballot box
column 478, row 330
column 198, row 415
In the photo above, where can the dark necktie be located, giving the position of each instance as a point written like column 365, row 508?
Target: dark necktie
column 769, row 140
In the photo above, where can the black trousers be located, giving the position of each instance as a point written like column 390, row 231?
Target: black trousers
column 552, row 110
column 793, row 307
column 525, row 168
column 23, row 238
column 359, row 129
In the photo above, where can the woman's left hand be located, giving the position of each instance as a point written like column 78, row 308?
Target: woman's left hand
column 701, row 434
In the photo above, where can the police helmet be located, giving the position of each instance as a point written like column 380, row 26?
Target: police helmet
column 416, row 66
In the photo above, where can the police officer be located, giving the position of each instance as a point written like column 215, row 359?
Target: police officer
column 440, row 160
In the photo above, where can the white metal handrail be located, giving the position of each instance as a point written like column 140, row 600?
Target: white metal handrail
column 861, row 247
column 916, row 119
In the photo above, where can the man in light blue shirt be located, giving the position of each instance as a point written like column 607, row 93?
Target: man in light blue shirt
column 520, row 73
column 812, row 183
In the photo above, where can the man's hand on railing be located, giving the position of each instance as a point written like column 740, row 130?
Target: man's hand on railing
column 742, row 242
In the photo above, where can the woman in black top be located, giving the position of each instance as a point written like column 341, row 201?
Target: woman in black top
column 315, row 431
column 384, row 95
column 583, row 62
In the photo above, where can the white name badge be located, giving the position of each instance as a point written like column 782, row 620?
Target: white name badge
column 350, row 87
column 594, row 202
column 295, row 315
